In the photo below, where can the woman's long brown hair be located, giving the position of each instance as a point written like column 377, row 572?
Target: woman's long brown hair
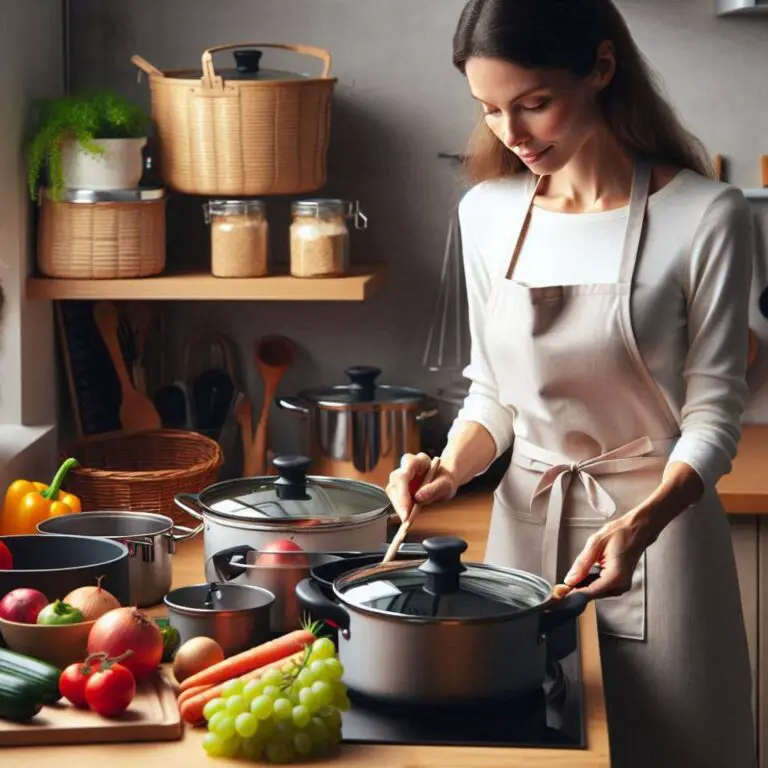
column 566, row 34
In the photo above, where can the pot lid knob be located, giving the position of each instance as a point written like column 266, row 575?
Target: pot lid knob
column 247, row 61
column 363, row 378
column 443, row 565
column 291, row 484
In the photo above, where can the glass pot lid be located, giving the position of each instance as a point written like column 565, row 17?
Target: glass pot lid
column 363, row 390
column 247, row 66
column 215, row 597
column 295, row 499
column 442, row 587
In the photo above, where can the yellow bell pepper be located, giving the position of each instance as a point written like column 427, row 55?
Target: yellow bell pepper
column 28, row 503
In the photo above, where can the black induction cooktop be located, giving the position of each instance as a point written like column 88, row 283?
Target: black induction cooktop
column 550, row 718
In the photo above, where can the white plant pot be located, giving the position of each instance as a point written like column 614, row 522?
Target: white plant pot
column 119, row 167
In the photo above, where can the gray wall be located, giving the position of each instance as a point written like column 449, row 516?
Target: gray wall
column 398, row 103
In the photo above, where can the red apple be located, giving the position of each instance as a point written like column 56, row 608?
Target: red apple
column 22, row 605
column 272, row 554
column 6, row 558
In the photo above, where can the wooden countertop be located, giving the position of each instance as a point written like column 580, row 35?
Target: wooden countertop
column 744, row 491
column 468, row 516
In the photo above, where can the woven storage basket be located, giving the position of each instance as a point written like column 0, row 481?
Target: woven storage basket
column 101, row 240
column 241, row 137
column 142, row 471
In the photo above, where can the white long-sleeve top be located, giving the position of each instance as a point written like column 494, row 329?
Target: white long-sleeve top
column 690, row 302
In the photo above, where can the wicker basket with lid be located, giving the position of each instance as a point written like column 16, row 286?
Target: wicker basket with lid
column 246, row 131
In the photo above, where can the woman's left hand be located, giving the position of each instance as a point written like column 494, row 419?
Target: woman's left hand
column 617, row 548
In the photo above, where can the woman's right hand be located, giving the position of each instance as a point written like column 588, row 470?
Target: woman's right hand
column 405, row 484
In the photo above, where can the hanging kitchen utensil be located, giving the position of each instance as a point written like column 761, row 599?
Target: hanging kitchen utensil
column 321, row 514
column 213, row 392
column 136, row 410
column 244, row 418
column 273, row 355
column 412, row 616
column 171, row 404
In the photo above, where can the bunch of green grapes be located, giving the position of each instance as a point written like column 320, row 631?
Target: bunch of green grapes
column 285, row 714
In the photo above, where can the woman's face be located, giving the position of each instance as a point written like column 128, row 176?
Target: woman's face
column 543, row 116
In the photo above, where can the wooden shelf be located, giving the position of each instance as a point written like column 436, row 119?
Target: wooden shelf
column 359, row 285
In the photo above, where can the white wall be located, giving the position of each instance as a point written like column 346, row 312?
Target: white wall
column 32, row 67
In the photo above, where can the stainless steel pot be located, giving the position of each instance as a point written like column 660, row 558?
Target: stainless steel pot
column 236, row 616
column 441, row 631
column 361, row 430
column 151, row 540
column 278, row 573
column 321, row 514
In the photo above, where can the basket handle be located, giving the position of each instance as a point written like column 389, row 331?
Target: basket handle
column 211, row 79
column 145, row 66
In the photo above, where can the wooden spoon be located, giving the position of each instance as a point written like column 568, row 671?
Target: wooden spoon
column 137, row 412
column 405, row 526
column 273, row 356
column 244, row 418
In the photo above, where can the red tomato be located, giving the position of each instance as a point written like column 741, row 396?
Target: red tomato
column 6, row 559
column 73, row 679
column 109, row 692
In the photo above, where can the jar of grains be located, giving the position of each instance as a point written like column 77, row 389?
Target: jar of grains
column 239, row 238
column 320, row 237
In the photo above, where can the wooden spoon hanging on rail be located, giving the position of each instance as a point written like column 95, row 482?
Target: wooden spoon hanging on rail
column 273, row 355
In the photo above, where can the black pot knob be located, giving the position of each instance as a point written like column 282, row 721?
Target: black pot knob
column 247, row 61
column 291, row 483
column 443, row 565
column 363, row 378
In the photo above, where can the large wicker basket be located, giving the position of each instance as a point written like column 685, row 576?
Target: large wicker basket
column 142, row 471
column 241, row 137
column 102, row 240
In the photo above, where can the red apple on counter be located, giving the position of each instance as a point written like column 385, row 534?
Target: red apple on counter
column 6, row 558
column 274, row 554
column 22, row 605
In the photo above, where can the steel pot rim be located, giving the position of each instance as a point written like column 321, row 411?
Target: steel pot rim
column 124, row 553
column 182, row 610
column 124, row 514
column 403, row 618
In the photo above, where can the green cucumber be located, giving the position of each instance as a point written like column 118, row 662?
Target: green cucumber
column 20, row 699
column 44, row 676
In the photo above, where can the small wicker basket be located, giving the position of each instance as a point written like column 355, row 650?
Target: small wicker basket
column 142, row 471
column 91, row 236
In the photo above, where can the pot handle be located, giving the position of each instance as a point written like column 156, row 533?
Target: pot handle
column 427, row 413
column 570, row 607
column 225, row 569
column 320, row 606
column 190, row 503
column 292, row 404
column 185, row 533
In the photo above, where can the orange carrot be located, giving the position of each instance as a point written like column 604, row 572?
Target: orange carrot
column 190, row 692
column 191, row 708
column 253, row 658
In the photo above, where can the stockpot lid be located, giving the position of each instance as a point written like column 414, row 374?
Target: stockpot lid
column 442, row 587
column 363, row 391
column 295, row 498
column 247, row 66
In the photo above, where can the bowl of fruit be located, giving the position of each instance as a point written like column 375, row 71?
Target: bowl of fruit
column 55, row 631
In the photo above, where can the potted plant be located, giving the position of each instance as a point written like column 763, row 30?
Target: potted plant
column 88, row 141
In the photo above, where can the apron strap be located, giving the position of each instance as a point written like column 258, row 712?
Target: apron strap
column 518, row 242
column 638, row 204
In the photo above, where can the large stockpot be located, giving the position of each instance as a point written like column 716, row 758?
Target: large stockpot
column 441, row 631
column 320, row 514
column 362, row 429
column 151, row 540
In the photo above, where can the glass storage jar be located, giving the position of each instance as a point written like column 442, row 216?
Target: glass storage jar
column 320, row 237
column 239, row 238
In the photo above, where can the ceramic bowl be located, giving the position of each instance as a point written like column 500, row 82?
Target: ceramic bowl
column 60, row 645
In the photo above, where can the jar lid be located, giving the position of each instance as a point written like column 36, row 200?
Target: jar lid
column 248, row 67
column 295, row 500
column 363, row 389
column 136, row 195
column 442, row 587
column 320, row 207
column 203, row 599
column 226, row 207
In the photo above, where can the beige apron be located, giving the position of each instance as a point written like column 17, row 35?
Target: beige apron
column 593, row 434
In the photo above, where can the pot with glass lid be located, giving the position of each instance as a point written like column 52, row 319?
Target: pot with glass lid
column 360, row 430
column 440, row 631
column 319, row 514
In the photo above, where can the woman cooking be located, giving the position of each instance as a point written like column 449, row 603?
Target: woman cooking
column 608, row 282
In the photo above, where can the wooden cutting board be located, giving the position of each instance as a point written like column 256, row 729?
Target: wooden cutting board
column 152, row 716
